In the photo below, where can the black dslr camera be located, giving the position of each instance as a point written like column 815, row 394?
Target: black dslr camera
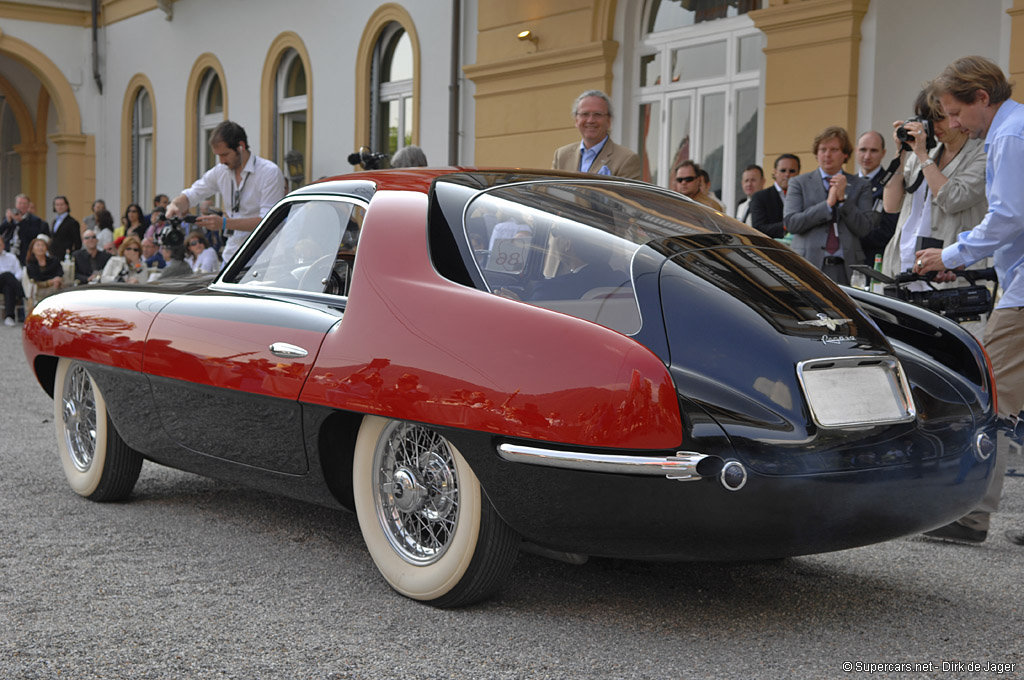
column 903, row 134
column 369, row 160
column 173, row 235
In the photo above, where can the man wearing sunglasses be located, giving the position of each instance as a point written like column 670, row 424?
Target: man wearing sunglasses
column 686, row 180
column 249, row 187
column 89, row 260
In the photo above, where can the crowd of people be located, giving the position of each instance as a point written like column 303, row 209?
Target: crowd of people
column 38, row 259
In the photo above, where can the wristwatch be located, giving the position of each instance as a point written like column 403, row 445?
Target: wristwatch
column 926, row 163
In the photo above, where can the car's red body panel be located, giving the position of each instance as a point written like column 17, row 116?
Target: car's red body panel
column 445, row 354
column 109, row 329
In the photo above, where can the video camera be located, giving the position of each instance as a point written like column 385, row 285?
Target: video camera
column 172, row 234
column 963, row 303
column 369, row 160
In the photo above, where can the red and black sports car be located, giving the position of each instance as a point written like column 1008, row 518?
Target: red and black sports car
column 479, row 361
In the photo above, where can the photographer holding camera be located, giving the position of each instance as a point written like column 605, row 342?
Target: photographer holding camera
column 975, row 96
column 248, row 185
column 941, row 191
column 20, row 226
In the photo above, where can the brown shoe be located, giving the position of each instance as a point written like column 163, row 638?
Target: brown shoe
column 955, row 531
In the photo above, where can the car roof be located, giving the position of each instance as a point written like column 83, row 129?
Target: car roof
column 420, row 179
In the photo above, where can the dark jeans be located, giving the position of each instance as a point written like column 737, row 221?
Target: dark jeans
column 10, row 286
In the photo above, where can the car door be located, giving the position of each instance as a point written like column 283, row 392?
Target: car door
column 227, row 363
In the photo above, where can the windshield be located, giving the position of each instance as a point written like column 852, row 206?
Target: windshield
column 569, row 246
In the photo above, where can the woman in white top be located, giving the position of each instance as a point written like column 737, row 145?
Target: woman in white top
column 201, row 257
column 127, row 266
column 938, row 194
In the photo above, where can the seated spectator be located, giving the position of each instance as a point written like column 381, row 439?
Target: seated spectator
column 127, row 266
column 201, row 258
column 10, row 286
column 151, row 254
column 176, row 266
column 410, row 156
column 90, row 220
column 104, row 229
column 133, row 223
column 43, row 270
column 90, row 260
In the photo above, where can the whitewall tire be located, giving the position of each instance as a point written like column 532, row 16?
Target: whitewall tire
column 97, row 463
column 428, row 526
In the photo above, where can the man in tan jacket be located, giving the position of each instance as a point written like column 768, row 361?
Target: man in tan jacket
column 596, row 152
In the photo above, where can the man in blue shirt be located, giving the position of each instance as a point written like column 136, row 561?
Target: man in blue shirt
column 596, row 152
column 976, row 97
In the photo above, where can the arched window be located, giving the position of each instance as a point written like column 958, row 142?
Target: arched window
column 392, row 124
column 290, row 118
column 142, row 148
column 699, row 90
column 209, row 113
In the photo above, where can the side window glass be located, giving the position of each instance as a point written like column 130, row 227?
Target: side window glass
column 307, row 246
column 554, row 257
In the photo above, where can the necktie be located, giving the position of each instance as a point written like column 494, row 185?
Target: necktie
column 832, row 242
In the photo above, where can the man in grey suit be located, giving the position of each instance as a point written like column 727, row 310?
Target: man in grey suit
column 596, row 153
column 828, row 211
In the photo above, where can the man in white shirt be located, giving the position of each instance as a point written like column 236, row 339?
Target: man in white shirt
column 249, row 187
column 751, row 181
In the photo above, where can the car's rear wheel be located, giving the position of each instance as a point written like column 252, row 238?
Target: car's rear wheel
column 428, row 525
column 97, row 463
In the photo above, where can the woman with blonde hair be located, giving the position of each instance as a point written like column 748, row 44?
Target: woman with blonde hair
column 127, row 266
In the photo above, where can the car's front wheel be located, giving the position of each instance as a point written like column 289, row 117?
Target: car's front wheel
column 429, row 527
column 97, row 463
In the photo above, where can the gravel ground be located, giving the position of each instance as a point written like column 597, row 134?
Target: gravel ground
column 194, row 578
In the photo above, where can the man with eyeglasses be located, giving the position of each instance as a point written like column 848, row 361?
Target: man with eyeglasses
column 249, row 187
column 596, row 153
column 766, row 206
column 89, row 259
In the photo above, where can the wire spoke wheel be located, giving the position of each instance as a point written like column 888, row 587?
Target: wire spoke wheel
column 417, row 492
column 79, row 418
column 97, row 463
column 429, row 527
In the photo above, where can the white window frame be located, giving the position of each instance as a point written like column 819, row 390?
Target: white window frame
column 142, row 151
column 206, row 122
column 730, row 30
column 288, row 110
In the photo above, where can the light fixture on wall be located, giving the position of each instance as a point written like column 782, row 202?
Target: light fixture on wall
column 527, row 35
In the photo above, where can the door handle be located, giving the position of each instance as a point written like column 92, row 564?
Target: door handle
column 286, row 351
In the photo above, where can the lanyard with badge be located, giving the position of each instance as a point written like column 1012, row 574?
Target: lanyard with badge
column 236, row 196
